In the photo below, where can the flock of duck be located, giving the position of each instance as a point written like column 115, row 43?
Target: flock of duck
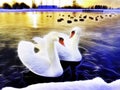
column 51, row 48
column 82, row 18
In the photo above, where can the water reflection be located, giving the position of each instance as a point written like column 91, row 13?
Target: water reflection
column 47, row 19
column 29, row 24
column 33, row 16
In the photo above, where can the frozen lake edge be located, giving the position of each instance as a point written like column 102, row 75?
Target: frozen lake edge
column 94, row 84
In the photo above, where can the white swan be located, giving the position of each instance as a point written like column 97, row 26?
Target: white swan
column 67, row 47
column 69, row 51
column 45, row 62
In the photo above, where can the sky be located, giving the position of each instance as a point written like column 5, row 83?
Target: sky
column 84, row 3
column 113, row 3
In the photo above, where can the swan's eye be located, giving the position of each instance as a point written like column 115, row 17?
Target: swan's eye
column 36, row 50
column 72, row 34
column 61, row 41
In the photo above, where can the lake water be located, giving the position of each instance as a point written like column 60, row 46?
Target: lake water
column 99, row 41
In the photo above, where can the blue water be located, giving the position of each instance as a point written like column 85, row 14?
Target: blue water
column 101, row 56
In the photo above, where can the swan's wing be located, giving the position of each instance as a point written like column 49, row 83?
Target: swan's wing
column 38, row 64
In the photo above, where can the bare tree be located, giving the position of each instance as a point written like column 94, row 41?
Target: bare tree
column 33, row 4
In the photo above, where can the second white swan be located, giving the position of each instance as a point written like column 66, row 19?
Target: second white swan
column 45, row 62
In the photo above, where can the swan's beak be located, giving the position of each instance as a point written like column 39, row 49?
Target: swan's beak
column 61, row 41
column 72, row 34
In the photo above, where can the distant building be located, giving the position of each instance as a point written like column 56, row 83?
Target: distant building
column 47, row 7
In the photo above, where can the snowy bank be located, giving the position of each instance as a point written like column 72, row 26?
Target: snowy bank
column 94, row 84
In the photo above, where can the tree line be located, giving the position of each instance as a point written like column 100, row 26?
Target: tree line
column 91, row 7
column 25, row 6
column 17, row 6
column 99, row 7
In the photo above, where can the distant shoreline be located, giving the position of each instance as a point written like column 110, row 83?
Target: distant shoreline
column 61, row 10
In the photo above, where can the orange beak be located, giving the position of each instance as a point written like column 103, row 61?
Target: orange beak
column 61, row 41
column 72, row 34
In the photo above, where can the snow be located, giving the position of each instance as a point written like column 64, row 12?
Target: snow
column 94, row 84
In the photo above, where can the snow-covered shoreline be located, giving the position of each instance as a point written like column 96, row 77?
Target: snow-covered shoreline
column 94, row 84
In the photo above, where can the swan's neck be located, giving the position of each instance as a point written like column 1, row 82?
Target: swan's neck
column 52, row 52
column 75, row 41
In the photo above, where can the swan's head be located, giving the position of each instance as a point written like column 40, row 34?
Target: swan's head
column 54, row 36
column 37, row 40
column 75, row 31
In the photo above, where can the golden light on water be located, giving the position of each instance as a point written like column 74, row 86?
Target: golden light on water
column 33, row 17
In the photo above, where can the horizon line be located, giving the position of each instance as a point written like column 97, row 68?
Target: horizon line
column 61, row 10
